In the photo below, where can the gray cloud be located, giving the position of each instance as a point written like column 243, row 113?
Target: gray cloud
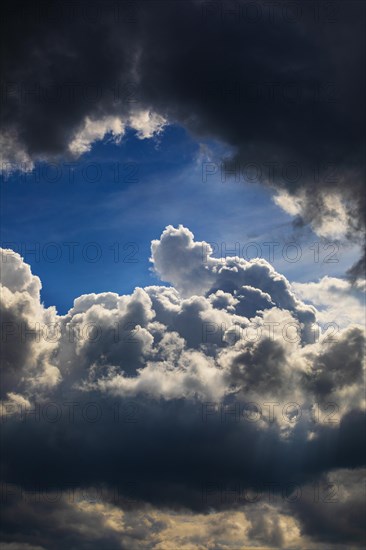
column 170, row 391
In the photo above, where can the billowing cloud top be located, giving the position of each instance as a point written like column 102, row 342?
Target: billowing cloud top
column 171, row 385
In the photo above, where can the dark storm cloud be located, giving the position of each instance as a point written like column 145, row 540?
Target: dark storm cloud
column 168, row 457
column 280, row 90
column 282, row 84
column 59, row 65
column 339, row 521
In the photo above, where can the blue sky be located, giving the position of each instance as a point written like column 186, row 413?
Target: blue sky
column 120, row 196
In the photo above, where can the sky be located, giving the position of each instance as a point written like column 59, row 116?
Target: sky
column 119, row 196
column 182, row 275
